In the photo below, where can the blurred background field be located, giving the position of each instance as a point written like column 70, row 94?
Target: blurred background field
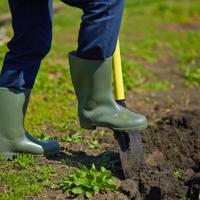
column 160, row 46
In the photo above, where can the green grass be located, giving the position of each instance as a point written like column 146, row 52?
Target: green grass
column 151, row 30
column 192, row 75
column 136, row 76
column 156, row 33
column 22, row 177
column 3, row 7
column 24, row 161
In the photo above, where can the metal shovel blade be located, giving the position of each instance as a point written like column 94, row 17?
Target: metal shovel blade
column 131, row 151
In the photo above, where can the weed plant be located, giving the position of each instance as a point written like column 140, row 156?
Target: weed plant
column 88, row 181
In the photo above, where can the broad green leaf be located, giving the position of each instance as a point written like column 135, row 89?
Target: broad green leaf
column 96, row 189
column 77, row 190
column 88, row 194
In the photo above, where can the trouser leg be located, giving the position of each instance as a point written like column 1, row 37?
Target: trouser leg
column 32, row 26
column 99, row 28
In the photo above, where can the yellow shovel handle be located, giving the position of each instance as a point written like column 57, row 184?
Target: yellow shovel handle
column 117, row 73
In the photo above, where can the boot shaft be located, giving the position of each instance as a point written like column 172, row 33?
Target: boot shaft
column 92, row 80
column 13, row 106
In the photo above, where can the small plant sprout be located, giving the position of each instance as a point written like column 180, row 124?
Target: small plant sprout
column 93, row 143
column 88, row 181
column 75, row 138
column 192, row 75
column 178, row 174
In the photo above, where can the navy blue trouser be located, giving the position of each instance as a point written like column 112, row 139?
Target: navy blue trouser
column 32, row 25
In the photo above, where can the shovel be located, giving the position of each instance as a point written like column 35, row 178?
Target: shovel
column 129, row 142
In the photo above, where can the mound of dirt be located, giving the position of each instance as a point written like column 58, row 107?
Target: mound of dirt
column 172, row 158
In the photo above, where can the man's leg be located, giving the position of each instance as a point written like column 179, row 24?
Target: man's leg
column 100, row 27
column 32, row 27
column 91, row 67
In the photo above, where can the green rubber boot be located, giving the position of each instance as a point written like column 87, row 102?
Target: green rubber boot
column 92, row 80
column 14, row 138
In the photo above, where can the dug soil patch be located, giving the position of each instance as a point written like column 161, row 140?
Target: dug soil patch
column 172, row 159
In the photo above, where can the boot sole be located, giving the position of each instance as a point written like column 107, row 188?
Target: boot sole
column 94, row 126
column 6, row 152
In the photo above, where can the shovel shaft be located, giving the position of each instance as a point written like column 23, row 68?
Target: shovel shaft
column 117, row 73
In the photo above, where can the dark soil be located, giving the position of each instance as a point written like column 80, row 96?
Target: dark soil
column 172, row 147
